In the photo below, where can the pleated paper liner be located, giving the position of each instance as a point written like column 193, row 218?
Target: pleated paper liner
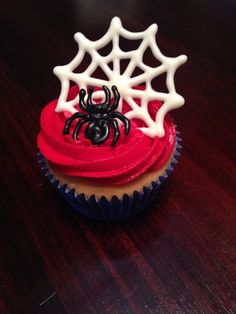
column 115, row 208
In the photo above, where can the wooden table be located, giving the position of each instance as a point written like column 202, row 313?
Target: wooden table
column 179, row 257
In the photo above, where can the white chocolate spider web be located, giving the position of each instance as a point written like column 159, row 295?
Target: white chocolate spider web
column 124, row 82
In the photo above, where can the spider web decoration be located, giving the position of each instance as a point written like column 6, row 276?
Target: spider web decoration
column 125, row 82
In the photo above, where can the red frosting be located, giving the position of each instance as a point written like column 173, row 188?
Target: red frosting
column 131, row 156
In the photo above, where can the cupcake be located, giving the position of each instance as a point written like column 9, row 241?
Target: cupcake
column 108, row 144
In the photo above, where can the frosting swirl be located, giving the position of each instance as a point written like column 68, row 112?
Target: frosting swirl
column 129, row 158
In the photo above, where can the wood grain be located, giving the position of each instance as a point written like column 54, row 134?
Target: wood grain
column 180, row 256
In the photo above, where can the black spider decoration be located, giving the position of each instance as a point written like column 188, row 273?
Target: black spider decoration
column 99, row 117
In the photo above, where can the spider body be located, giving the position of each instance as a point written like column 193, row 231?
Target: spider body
column 100, row 117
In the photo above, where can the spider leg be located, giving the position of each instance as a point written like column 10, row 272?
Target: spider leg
column 117, row 99
column 71, row 119
column 89, row 101
column 108, row 97
column 116, row 130
column 82, row 94
column 77, row 128
column 123, row 119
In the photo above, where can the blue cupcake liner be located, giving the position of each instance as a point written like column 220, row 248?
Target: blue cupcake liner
column 115, row 208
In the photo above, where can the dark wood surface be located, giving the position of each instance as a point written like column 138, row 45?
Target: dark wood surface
column 179, row 257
